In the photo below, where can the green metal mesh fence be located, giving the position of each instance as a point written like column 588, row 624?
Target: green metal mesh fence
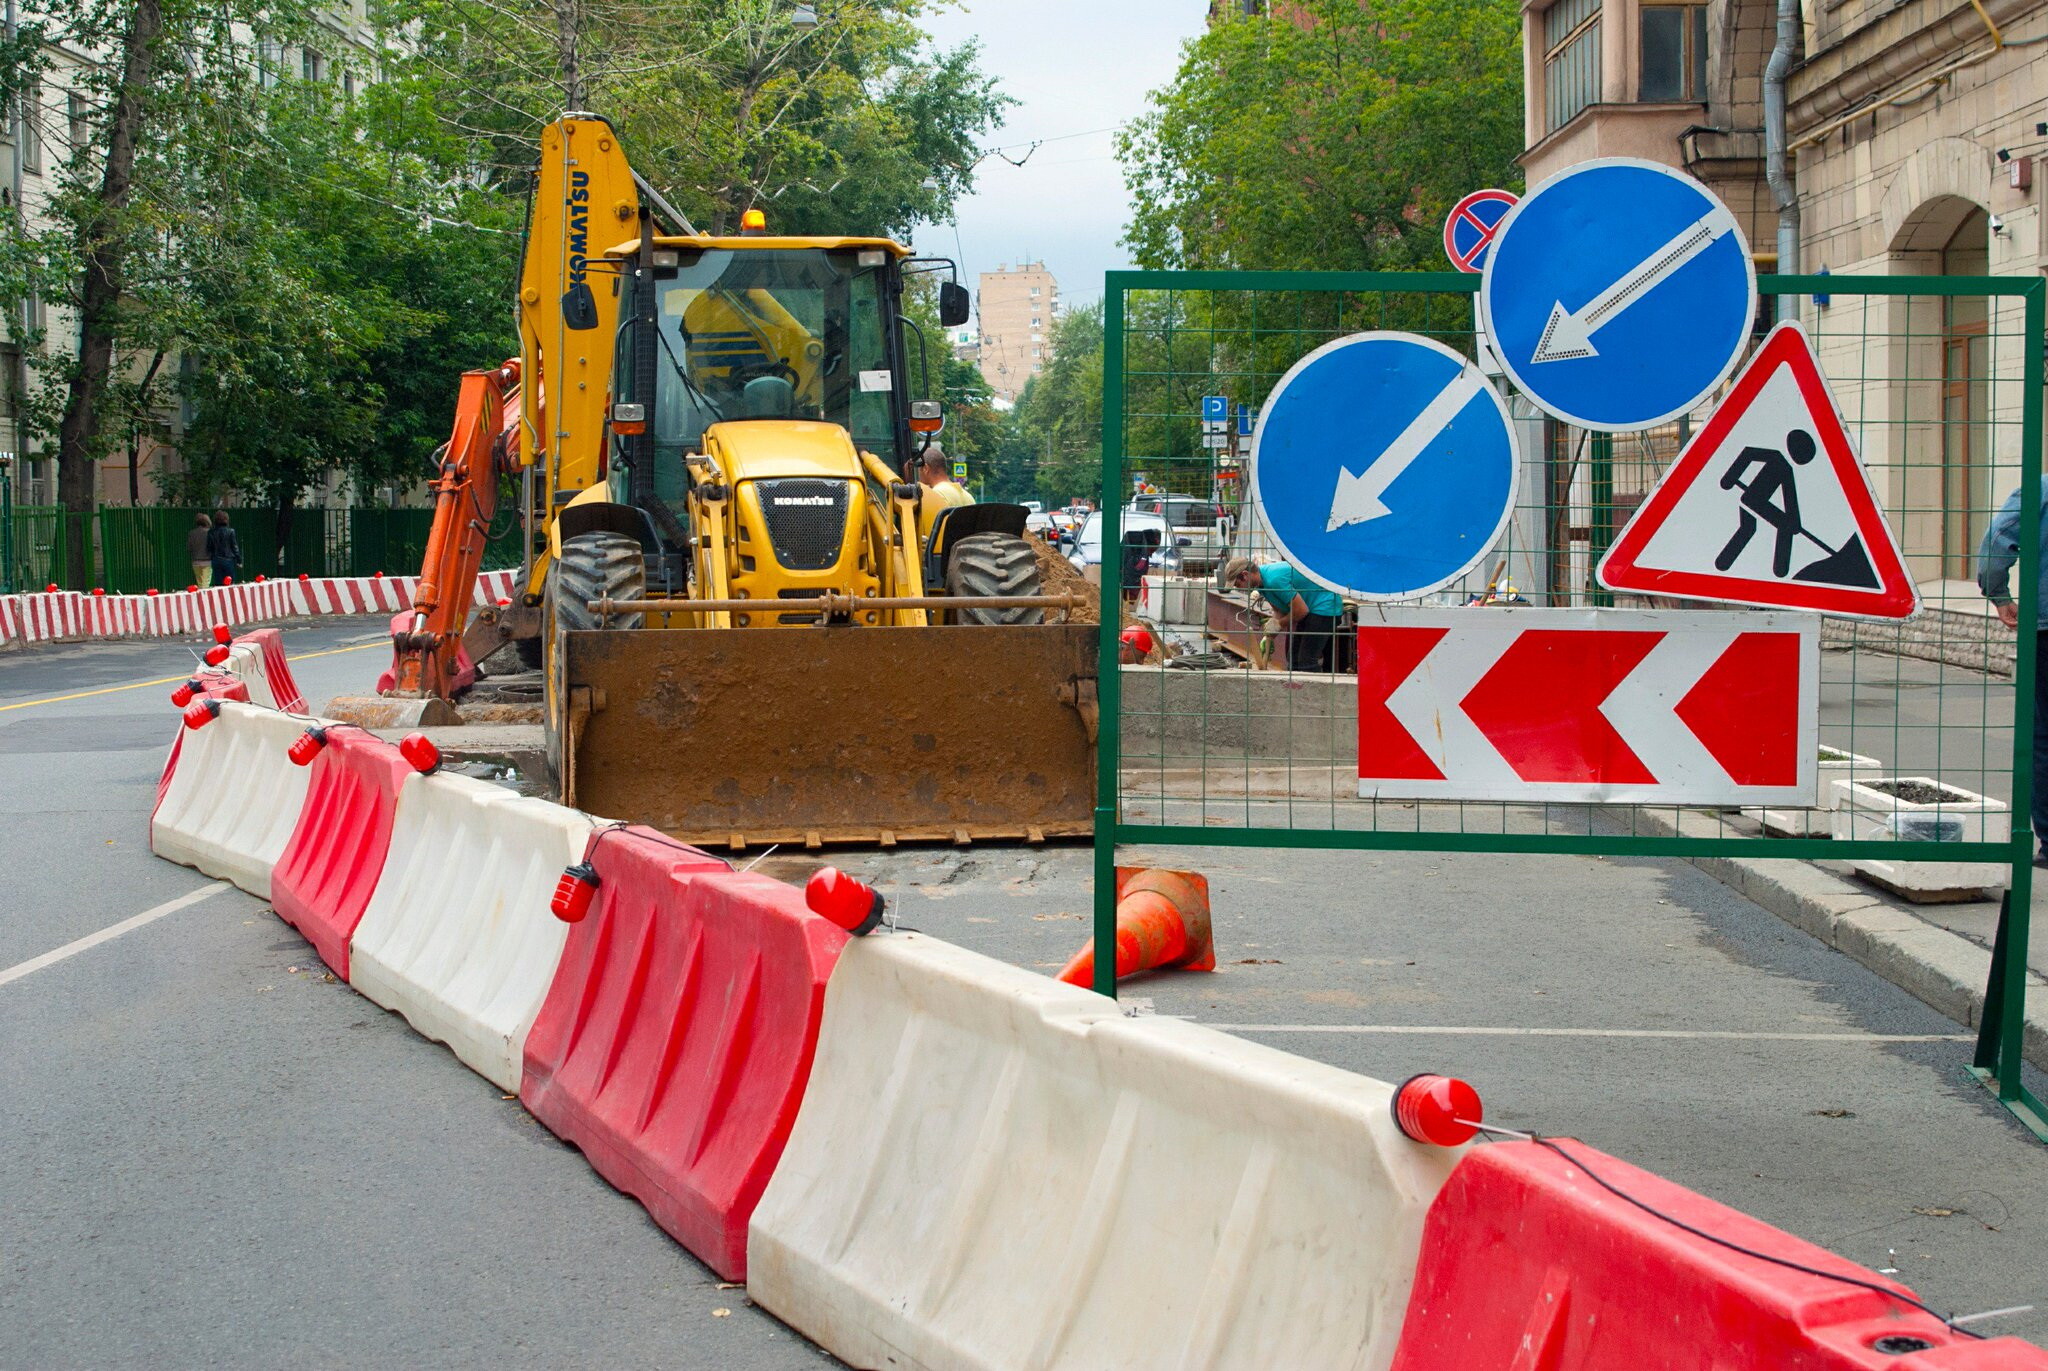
column 1931, row 378
column 1940, row 384
column 135, row 549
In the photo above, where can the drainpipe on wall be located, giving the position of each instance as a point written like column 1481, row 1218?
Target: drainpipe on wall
column 1776, row 172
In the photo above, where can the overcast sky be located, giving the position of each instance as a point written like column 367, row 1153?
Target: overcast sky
column 1078, row 67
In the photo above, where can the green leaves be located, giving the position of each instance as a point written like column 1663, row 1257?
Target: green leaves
column 1332, row 137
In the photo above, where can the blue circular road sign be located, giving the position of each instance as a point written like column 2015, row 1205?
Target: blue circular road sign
column 1384, row 465
column 1618, row 294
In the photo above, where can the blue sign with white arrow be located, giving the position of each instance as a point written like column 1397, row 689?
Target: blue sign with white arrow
column 1384, row 465
column 1215, row 409
column 1245, row 415
column 1618, row 294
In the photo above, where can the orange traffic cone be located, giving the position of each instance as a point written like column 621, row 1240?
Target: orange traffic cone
column 1162, row 922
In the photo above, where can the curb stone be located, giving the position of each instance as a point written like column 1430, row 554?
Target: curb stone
column 1943, row 970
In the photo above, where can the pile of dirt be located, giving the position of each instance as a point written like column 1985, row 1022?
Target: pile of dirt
column 1056, row 576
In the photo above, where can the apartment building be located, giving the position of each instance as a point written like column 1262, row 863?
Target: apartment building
column 1913, row 135
column 1015, row 310
column 36, row 139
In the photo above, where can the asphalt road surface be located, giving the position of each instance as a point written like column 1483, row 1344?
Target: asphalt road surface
column 214, row 1154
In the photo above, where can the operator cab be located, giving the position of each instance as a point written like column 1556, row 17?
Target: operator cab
column 757, row 329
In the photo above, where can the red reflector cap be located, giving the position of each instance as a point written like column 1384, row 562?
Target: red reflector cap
column 223, row 634
column 307, row 746
column 201, row 712
column 182, row 696
column 216, row 654
column 854, row 905
column 1438, row 1109
column 573, row 893
column 419, row 749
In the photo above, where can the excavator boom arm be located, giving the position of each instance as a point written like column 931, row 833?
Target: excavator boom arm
column 465, row 488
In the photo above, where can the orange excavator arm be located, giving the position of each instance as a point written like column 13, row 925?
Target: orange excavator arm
column 482, row 448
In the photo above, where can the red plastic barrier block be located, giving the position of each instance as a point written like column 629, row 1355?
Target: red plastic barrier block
column 323, row 881
column 676, row 1040
column 1528, row 1263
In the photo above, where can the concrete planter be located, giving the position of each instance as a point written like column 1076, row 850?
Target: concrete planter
column 1866, row 810
column 1814, row 821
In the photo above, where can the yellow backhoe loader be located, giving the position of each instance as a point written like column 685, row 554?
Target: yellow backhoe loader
column 744, row 639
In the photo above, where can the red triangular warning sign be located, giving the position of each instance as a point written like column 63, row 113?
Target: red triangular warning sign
column 1768, row 504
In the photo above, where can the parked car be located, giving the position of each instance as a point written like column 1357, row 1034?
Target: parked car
column 1199, row 528
column 1164, row 559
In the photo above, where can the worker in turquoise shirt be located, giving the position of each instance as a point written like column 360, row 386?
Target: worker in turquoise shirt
column 1308, row 610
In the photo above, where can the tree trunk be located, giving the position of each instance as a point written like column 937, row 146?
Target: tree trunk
column 103, row 285
column 135, row 431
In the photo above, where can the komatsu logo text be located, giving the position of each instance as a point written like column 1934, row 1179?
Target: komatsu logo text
column 579, row 225
column 805, row 500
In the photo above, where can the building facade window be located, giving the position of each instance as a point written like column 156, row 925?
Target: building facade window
column 32, row 127
column 81, row 128
column 1674, row 53
column 312, row 66
column 1571, row 60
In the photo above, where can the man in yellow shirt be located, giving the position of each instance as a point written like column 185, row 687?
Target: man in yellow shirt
column 940, row 490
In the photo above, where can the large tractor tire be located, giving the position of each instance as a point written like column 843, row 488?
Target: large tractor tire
column 993, row 564
column 592, row 566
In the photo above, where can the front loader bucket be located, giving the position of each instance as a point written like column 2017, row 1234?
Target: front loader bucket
column 815, row 735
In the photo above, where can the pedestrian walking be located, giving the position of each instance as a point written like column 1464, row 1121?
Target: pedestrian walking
column 1996, row 557
column 196, row 549
column 1308, row 611
column 223, row 548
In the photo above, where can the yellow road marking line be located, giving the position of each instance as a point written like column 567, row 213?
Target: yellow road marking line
column 167, row 680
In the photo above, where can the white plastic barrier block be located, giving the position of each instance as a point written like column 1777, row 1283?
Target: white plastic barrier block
column 458, row 936
column 234, row 797
column 995, row 1170
column 245, row 664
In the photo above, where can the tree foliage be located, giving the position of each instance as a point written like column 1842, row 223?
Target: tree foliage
column 298, row 257
column 1330, row 135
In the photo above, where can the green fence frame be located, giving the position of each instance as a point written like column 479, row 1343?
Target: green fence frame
column 1998, row 1060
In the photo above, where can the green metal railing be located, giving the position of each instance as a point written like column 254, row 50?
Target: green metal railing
column 133, row 550
column 1940, row 381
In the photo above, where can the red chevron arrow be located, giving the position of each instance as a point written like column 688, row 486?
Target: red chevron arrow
column 1539, row 705
column 1387, row 657
column 1741, row 711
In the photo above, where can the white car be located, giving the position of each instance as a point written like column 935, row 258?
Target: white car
column 1087, row 550
column 1199, row 527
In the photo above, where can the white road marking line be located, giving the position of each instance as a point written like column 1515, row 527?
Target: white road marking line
column 1425, row 1030
column 92, row 940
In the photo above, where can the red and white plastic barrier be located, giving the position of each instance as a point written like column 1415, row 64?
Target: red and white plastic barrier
column 1529, row 1261
column 326, row 874
column 995, row 1169
column 921, row 1157
column 233, row 800
column 258, row 660
column 676, row 1040
column 458, row 936
column 65, row 615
